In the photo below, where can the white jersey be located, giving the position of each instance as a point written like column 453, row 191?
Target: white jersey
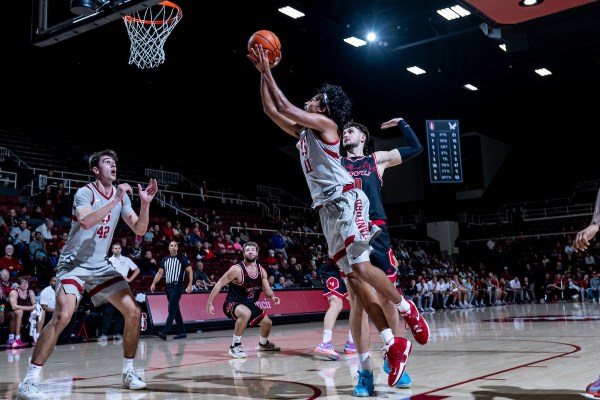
column 322, row 168
column 88, row 248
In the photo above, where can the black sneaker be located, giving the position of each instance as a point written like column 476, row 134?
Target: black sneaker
column 180, row 336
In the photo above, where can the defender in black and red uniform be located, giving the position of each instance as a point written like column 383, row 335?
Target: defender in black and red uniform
column 367, row 172
column 246, row 281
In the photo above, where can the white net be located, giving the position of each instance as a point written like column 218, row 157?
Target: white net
column 148, row 31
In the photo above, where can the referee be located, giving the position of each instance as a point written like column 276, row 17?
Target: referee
column 174, row 266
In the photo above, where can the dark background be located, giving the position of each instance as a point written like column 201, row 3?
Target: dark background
column 200, row 112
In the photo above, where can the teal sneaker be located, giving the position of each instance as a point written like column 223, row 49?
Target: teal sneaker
column 404, row 381
column 364, row 387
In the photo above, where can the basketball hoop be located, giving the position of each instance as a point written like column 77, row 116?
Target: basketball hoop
column 148, row 31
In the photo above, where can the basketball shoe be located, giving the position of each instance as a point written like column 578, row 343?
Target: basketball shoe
column 396, row 355
column 349, row 347
column 30, row 391
column 326, row 349
column 132, row 381
column 364, row 387
column 592, row 391
column 404, row 382
column 268, row 347
column 416, row 323
column 237, row 351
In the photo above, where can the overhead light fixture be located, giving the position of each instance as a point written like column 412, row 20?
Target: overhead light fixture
column 416, row 70
column 371, row 36
column 291, row 12
column 530, row 3
column 453, row 12
column 543, row 72
column 354, row 41
column 470, row 87
column 502, row 46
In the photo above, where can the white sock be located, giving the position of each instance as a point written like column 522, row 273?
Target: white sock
column 365, row 361
column 327, row 334
column 17, row 337
column 350, row 338
column 33, row 373
column 127, row 364
column 11, row 336
column 403, row 306
column 236, row 340
column 263, row 340
column 387, row 336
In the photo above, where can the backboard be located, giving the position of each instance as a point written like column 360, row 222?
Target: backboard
column 52, row 20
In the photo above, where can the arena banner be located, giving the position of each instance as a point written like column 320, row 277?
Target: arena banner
column 193, row 305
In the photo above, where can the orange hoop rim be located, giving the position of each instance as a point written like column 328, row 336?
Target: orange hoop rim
column 131, row 19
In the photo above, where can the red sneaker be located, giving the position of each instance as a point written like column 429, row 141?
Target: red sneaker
column 396, row 355
column 416, row 323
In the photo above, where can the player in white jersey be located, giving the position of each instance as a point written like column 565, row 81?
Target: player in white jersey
column 343, row 209
column 83, row 265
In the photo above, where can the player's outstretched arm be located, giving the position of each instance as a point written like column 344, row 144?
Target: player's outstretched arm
column 582, row 239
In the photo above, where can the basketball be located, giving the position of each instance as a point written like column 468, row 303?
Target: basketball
column 268, row 40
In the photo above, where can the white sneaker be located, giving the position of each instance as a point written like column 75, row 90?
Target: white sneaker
column 118, row 336
column 132, row 382
column 103, row 338
column 237, row 351
column 30, row 391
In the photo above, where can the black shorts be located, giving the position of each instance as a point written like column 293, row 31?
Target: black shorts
column 382, row 255
column 334, row 284
column 256, row 313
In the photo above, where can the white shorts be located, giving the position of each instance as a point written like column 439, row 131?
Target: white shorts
column 345, row 222
column 100, row 283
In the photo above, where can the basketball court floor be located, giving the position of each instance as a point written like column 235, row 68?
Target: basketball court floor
column 520, row 352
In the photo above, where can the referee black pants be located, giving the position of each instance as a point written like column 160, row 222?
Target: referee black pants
column 174, row 293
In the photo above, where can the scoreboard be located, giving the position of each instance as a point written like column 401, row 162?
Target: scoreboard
column 443, row 147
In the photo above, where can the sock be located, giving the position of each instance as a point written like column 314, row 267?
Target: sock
column 365, row 361
column 127, row 364
column 327, row 334
column 387, row 336
column 263, row 340
column 237, row 340
column 33, row 373
column 403, row 306
column 11, row 336
column 350, row 339
column 17, row 337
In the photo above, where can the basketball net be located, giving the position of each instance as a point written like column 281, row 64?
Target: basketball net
column 148, row 30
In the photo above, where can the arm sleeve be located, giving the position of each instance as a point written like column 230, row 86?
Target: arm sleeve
column 413, row 146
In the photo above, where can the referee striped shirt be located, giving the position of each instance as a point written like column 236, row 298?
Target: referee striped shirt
column 174, row 268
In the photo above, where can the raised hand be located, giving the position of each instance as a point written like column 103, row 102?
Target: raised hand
column 146, row 195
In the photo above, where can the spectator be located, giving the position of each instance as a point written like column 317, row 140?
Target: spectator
column 278, row 243
column 45, row 228
column 136, row 251
column 149, row 236
column 21, row 236
column 37, row 250
column 147, row 264
column 200, row 274
column 12, row 265
column 62, row 240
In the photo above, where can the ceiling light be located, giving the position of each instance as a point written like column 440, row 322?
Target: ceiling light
column 354, row 41
column 453, row 12
column 468, row 86
column 529, row 3
column 543, row 72
column 416, row 70
column 371, row 36
column 502, row 46
column 291, row 12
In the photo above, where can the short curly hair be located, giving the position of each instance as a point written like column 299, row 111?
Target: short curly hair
column 337, row 102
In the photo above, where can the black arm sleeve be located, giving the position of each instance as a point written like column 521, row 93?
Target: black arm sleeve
column 413, row 146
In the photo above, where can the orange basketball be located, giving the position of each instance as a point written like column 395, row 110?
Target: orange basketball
column 268, row 40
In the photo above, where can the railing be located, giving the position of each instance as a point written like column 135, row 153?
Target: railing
column 277, row 209
column 485, row 219
column 163, row 177
column 224, row 198
column 578, row 210
column 279, row 194
column 270, row 230
column 534, row 236
column 4, row 152
column 8, row 179
column 404, row 220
